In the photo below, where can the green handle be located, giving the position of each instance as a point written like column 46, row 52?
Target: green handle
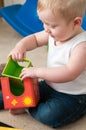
column 29, row 64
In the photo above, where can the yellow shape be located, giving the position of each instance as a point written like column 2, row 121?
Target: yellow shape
column 27, row 101
column 7, row 128
column 14, row 102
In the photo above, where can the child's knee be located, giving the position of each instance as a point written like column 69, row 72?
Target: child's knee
column 46, row 118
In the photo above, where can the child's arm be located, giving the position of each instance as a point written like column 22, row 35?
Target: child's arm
column 28, row 43
column 75, row 66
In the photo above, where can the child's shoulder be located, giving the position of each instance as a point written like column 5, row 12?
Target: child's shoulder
column 79, row 38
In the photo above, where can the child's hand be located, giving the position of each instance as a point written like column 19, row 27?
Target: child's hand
column 28, row 72
column 17, row 54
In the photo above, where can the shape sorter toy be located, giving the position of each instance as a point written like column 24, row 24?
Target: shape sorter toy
column 17, row 93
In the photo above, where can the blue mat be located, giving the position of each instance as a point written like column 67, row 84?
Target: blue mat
column 23, row 18
column 84, row 22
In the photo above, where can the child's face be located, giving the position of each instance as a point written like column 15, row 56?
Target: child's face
column 57, row 27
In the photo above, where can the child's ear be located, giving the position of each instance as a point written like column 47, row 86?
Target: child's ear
column 77, row 21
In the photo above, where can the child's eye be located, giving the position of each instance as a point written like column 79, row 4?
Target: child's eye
column 54, row 26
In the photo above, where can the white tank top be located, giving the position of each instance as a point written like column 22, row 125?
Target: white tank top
column 59, row 56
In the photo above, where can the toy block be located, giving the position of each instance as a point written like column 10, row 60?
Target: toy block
column 17, row 93
column 7, row 128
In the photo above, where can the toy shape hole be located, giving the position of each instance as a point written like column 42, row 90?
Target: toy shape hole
column 23, row 64
column 16, row 87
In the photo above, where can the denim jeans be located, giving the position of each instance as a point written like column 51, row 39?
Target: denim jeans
column 57, row 109
column 1, row 101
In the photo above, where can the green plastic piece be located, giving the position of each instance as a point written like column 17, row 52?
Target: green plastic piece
column 13, row 69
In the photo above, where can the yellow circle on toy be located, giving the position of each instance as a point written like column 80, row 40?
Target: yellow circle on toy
column 27, row 101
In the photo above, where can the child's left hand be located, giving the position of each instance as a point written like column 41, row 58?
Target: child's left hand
column 28, row 72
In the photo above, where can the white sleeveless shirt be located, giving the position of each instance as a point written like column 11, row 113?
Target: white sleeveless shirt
column 59, row 56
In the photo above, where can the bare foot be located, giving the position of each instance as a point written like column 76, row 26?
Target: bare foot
column 17, row 111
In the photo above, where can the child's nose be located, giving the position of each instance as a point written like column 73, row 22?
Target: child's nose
column 47, row 30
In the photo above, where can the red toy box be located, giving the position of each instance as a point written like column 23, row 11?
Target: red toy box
column 17, row 93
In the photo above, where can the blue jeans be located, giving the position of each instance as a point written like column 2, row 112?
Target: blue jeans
column 57, row 109
column 1, row 101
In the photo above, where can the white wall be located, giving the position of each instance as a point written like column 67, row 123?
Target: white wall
column 10, row 2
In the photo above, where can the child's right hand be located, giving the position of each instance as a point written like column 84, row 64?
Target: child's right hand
column 17, row 54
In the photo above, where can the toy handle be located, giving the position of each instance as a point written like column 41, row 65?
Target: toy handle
column 29, row 64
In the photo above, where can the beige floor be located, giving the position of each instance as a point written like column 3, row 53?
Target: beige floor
column 8, row 39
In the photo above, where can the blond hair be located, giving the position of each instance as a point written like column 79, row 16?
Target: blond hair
column 69, row 9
